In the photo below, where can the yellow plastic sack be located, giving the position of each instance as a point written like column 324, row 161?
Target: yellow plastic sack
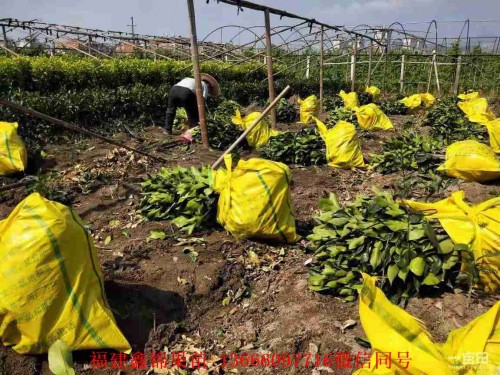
column 428, row 99
column 493, row 127
column 469, row 96
column 254, row 200
column 13, row 157
column 412, row 102
column 374, row 91
column 259, row 136
column 477, row 226
column 308, row 109
column 391, row 329
column 471, row 161
column 476, row 110
column 371, row 117
column 350, row 100
column 342, row 145
column 52, row 287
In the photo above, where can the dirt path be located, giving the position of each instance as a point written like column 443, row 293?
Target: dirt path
column 223, row 301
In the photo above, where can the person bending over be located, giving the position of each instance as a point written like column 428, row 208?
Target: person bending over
column 183, row 94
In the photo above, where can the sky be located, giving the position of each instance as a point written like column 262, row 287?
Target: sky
column 169, row 17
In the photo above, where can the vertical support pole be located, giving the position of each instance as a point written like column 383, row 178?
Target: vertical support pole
column 370, row 51
column 402, row 74
column 196, row 67
column 308, row 66
column 321, row 52
column 353, row 64
column 89, row 44
column 386, row 51
column 430, row 73
column 269, row 60
column 4, row 33
column 434, row 59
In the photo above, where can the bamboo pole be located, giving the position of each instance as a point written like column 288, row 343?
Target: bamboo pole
column 249, row 129
column 196, row 67
column 436, row 72
column 370, row 64
column 402, row 75
column 269, row 60
column 353, row 65
column 18, row 184
column 321, row 56
column 73, row 127
column 308, row 66
column 4, row 33
column 457, row 75
column 430, row 73
column 9, row 50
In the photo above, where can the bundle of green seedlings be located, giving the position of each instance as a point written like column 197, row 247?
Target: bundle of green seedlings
column 379, row 237
column 286, row 112
column 365, row 98
column 220, row 129
column 332, row 102
column 393, row 108
column 304, row 147
column 341, row 114
column 408, row 151
column 182, row 195
column 449, row 124
column 180, row 118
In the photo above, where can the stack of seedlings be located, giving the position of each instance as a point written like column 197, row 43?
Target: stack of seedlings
column 379, row 237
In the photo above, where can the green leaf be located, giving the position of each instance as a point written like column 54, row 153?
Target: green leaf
column 126, row 233
column 60, row 359
column 446, row 246
column 392, row 272
column 363, row 342
column 396, row 225
column 316, row 280
column 375, row 257
column 329, row 203
column 157, row 235
column 355, row 242
column 450, row 260
column 417, row 266
column 403, row 273
column 107, row 240
column 431, row 279
column 416, row 234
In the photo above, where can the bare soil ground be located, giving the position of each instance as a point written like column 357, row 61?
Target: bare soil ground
column 162, row 298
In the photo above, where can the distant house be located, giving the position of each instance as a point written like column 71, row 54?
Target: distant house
column 125, row 49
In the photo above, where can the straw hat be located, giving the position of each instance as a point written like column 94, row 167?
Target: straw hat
column 213, row 86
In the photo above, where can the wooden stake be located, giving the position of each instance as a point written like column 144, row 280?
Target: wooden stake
column 321, row 52
column 269, row 60
column 249, row 129
column 73, row 127
column 196, row 67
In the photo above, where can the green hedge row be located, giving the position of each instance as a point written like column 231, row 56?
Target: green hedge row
column 48, row 74
column 98, row 94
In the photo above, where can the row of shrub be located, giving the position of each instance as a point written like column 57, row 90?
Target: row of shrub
column 98, row 94
column 48, row 74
